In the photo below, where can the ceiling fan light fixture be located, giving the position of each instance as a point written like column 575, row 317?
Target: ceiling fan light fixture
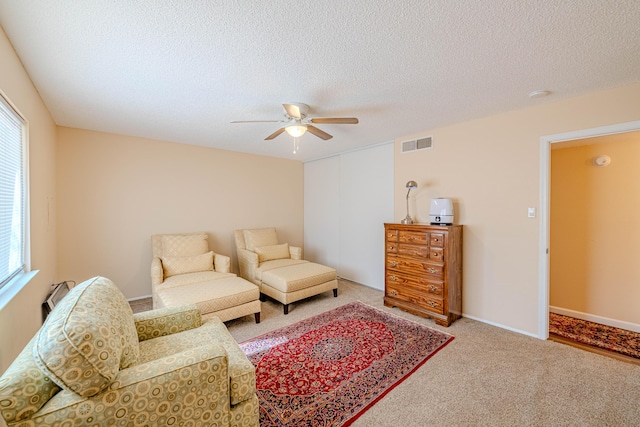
column 296, row 130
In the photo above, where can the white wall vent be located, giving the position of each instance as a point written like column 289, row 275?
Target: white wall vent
column 417, row 144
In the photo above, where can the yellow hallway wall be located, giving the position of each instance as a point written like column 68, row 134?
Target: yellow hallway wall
column 116, row 191
column 491, row 168
column 595, row 228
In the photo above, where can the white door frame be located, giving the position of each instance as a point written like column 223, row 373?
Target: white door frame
column 545, row 186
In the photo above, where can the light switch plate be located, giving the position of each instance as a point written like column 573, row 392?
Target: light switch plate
column 531, row 212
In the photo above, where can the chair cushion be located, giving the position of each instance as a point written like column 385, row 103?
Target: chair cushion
column 184, row 244
column 300, row 276
column 173, row 266
column 241, row 371
column 276, row 263
column 268, row 253
column 211, row 296
column 260, row 237
column 88, row 338
column 190, row 278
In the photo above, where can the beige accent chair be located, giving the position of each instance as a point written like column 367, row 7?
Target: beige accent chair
column 278, row 269
column 184, row 271
column 95, row 363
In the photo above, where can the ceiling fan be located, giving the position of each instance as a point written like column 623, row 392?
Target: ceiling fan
column 298, row 122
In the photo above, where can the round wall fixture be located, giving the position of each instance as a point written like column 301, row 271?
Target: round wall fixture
column 538, row 93
column 601, row 161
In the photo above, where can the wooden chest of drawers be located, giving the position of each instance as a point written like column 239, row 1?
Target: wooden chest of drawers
column 423, row 270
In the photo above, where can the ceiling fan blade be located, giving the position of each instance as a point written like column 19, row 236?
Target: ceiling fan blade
column 335, row 120
column 293, row 110
column 273, row 135
column 319, row 133
column 257, row 121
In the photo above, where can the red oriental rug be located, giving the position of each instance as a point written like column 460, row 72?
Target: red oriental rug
column 607, row 337
column 328, row 369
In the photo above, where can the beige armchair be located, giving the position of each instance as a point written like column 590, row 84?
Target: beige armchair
column 184, row 271
column 94, row 363
column 278, row 269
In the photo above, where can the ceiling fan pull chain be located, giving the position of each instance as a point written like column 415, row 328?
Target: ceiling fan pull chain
column 295, row 145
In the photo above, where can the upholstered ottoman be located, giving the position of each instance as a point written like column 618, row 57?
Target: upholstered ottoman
column 294, row 282
column 227, row 298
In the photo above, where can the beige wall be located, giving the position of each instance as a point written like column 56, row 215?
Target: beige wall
column 116, row 191
column 595, row 228
column 110, row 193
column 491, row 167
column 22, row 317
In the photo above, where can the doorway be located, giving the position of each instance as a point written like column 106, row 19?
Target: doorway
column 545, row 225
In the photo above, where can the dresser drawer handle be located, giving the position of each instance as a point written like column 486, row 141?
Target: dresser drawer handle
column 433, row 288
column 432, row 270
column 394, row 278
column 432, row 304
column 393, row 293
column 393, row 264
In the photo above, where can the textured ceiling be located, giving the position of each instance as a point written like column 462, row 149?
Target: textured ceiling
column 183, row 70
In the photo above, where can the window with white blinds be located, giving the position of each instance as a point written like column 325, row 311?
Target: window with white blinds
column 12, row 193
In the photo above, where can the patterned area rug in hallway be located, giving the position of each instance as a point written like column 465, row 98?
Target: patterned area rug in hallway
column 329, row 369
column 594, row 334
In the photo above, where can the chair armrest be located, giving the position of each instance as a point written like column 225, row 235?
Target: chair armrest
column 157, row 272
column 166, row 321
column 295, row 252
column 222, row 263
column 154, row 389
column 248, row 263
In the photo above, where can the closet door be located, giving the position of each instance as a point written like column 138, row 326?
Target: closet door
column 321, row 211
column 347, row 199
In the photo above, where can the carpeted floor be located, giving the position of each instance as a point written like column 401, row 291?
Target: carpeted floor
column 328, row 369
column 595, row 334
column 487, row 376
column 142, row 304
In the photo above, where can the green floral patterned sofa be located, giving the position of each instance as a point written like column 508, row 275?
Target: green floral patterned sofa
column 95, row 363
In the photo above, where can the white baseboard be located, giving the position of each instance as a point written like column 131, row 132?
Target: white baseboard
column 597, row 319
column 498, row 325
